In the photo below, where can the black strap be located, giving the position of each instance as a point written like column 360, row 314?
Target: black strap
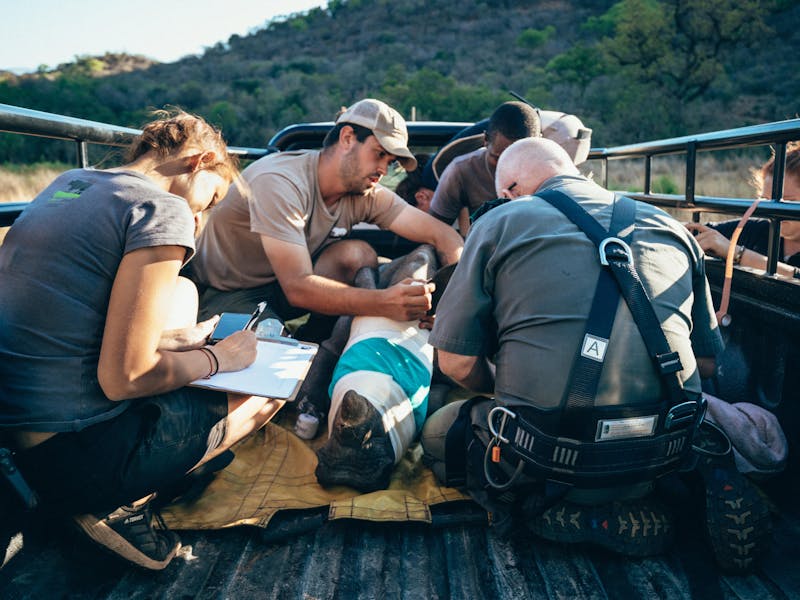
column 456, row 442
column 15, row 481
column 620, row 265
column 592, row 464
column 588, row 363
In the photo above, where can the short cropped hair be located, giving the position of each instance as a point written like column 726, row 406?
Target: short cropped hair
column 413, row 180
column 332, row 137
column 514, row 120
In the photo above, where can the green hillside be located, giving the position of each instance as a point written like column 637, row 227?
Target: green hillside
column 633, row 70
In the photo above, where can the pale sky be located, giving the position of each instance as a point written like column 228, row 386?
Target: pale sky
column 50, row 32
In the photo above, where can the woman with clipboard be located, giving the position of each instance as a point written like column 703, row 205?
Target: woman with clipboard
column 98, row 339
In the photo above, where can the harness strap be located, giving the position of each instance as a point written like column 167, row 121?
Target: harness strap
column 588, row 363
column 615, row 254
column 661, row 440
column 620, row 461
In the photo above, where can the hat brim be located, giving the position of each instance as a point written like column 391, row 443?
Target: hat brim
column 454, row 149
column 403, row 154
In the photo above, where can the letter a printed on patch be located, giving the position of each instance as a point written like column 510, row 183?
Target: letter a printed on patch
column 594, row 347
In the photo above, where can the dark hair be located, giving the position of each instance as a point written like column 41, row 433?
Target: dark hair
column 768, row 168
column 362, row 133
column 515, row 120
column 174, row 129
column 408, row 187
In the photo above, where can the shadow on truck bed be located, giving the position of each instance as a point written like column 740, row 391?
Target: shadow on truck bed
column 302, row 556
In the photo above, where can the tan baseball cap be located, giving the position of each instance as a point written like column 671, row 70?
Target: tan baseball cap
column 386, row 124
column 568, row 132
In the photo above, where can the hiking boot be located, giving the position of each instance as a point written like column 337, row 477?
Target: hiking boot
column 633, row 527
column 359, row 452
column 129, row 533
column 737, row 517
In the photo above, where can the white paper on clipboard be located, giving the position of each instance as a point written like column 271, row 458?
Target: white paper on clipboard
column 277, row 372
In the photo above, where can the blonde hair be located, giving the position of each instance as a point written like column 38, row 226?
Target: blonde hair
column 175, row 129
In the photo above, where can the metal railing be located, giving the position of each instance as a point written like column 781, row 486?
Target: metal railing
column 32, row 122
column 776, row 134
column 14, row 119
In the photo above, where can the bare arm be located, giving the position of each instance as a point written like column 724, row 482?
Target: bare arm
column 404, row 301
column 714, row 243
column 475, row 373
column 415, row 225
column 188, row 338
column 131, row 364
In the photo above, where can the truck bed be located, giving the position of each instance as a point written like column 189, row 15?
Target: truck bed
column 357, row 560
column 459, row 556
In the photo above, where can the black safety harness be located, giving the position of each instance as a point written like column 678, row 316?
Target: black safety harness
column 594, row 447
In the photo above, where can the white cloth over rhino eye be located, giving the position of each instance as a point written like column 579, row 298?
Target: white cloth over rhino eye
column 380, row 389
column 388, row 398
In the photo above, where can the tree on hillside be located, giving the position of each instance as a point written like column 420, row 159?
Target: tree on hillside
column 579, row 65
column 679, row 44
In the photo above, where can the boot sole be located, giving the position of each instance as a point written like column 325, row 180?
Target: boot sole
column 738, row 520
column 632, row 530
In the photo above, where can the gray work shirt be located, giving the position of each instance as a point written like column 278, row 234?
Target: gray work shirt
column 523, row 288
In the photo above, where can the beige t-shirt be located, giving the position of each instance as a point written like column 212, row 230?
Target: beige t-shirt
column 283, row 203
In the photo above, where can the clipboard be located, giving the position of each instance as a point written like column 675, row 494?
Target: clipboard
column 279, row 369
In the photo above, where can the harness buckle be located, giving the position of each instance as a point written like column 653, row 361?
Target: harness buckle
column 669, row 362
column 506, row 413
column 681, row 414
column 624, row 249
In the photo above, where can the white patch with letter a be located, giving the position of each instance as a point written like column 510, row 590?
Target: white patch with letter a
column 594, row 347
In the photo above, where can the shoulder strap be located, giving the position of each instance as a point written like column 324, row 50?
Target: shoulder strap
column 615, row 254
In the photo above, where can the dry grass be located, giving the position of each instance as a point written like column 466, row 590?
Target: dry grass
column 721, row 174
column 718, row 174
column 22, row 183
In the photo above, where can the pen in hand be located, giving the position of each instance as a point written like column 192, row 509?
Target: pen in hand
column 262, row 306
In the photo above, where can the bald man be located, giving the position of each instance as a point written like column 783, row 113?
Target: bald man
column 512, row 323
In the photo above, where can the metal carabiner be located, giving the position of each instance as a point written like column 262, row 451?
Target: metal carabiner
column 614, row 240
column 498, row 435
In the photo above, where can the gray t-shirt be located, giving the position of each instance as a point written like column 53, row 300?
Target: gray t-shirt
column 57, row 266
column 523, row 288
column 467, row 181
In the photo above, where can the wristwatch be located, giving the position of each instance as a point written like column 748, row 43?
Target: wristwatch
column 737, row 256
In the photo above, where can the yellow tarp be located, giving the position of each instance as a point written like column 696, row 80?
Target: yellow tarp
column 274, row 470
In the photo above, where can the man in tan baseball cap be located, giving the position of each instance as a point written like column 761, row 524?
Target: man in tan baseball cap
column 285, row 241
column 386, row 125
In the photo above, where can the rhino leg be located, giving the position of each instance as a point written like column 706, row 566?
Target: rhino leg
column 420, row 263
